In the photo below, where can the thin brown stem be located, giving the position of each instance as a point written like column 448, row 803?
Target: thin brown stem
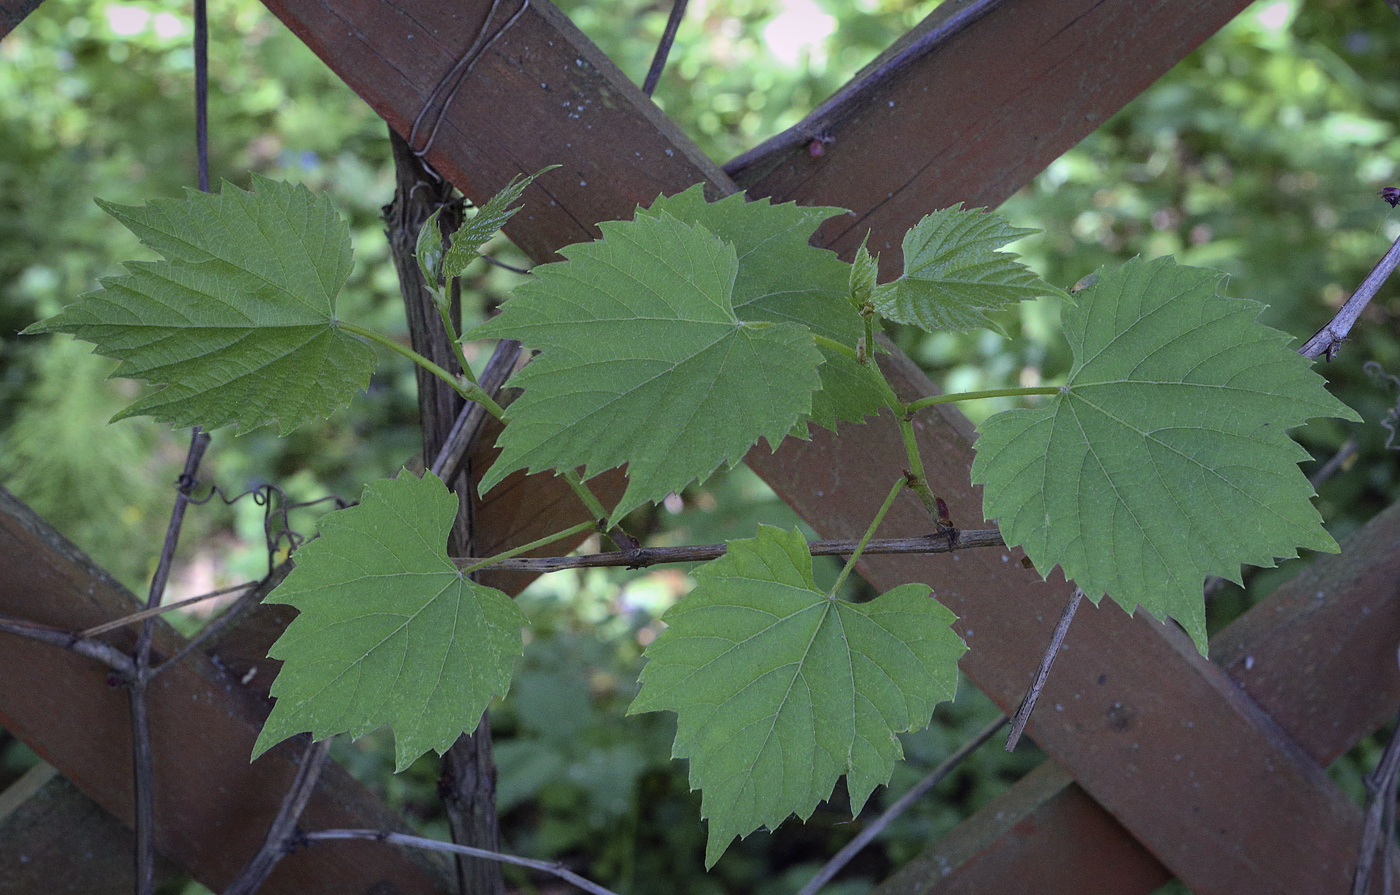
column 550, row 867
column 144, row 614
column 282, row 834
column 663, row 49
column 877, row 826
column 141, row 755
column 945, row 541
column 1327, row 341
column 108, row 655
column 210, row 632
column 1023, row 714
column 467, row 427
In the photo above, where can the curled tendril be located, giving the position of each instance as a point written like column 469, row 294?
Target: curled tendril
column 1392, row 419
column 277, row 527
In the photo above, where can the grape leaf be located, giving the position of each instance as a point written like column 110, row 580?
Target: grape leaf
column 1165, row 458
column 644, row 362
column 477, row 230
column 238, row 323
column 953, row 272
column 780, row 690
column 782, row 277
column 389, row 631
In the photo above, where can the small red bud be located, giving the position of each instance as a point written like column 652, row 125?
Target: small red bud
column 945, row 520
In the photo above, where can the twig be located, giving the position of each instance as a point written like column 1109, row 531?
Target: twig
column 467, row 427
column 141, row 759
column 240, row 607
column 939, row 542
column 1023, row 714
column 452, row 81
column 877, row 826
column 1328, row 340
column 1378, row 832
column 282, row 834
column 108, row 655
column 404, row 839
column 144, row 614
column 663, row 49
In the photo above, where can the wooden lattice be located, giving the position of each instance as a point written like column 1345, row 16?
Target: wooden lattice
column 1162, row 763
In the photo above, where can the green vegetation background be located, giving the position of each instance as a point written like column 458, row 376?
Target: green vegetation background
column 1260, row 154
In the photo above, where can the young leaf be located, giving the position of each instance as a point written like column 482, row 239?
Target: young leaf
column 1166, row 457
column 864, row 270
column 645, row 363
column 389, row 631
column 779, row 690
column 238, row 323
column 953, row 272
column 489, row 218
column 783, row 278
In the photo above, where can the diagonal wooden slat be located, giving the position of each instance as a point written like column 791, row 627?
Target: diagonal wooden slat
column 1318, row 655
column 619, row 150
column 12, row 12
column 212, row 805
column 1115, row 736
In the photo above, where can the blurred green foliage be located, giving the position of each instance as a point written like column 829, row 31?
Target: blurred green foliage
column 1260, row 154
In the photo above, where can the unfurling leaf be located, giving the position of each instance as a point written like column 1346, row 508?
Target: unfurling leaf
column 780, row 690
column 864, row 270
column 238, row 322
column 389, row 630
column 489, row 218
column 1166, row 457
column 645, row 363
column 953, row 272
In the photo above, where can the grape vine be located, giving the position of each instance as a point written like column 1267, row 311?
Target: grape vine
column 672, row 346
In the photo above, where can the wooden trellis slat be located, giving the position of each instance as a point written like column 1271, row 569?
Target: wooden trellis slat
column 212, row 805
column 1318, row 655
column 1118, row 736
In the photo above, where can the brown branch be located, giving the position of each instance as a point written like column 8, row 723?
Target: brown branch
column 210, row 632
column 141, row 758
column 1328, row 340
column 144, row 614
column 108, row 655
column 550, row 867
column 663, row 49
column 939, row 542
column 467, row 427
column 282, row 834
column 876, row 827
column 1023, row 714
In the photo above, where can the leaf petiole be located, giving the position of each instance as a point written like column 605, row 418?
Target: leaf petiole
column 526, row 548
column 915, row 478
column 836, row 346
column 865, row 539
column 586, row 495
column 470, row 390
column 915, row 406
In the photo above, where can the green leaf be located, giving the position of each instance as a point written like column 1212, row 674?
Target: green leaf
column 783, row 278
column 1166, row 457
column 488, row 220
column 389, row 631
column 953, row 272
column 779, row 690
column 238, row 323
column 429, row 251
column 645, row 363
column 864, row 270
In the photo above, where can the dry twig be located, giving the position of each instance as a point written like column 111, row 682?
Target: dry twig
column 1023, row 714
